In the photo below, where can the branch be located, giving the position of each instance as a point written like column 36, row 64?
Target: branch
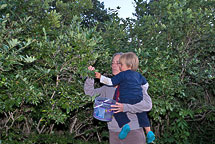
column 27, row 126
column 51, row 128
column 73, row 124
column 98, row 137
column 199, row 115
column 38, row 125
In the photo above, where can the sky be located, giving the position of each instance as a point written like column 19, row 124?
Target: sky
column 126, row 10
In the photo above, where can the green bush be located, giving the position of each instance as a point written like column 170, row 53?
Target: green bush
column 45, row 49
column 175, row 40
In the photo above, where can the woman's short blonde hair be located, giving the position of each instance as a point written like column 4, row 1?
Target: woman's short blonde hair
column 130, row 59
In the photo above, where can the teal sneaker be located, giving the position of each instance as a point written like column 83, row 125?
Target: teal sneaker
column 124, row 132
column 150, row 137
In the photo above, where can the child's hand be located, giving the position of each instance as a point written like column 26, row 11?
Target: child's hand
column 97, row 75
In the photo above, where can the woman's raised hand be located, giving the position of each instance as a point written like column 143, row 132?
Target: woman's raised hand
column 91, row 68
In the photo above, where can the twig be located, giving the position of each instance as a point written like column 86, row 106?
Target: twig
column 51, row 128
column 73, row 124
column 27, row 126
column 38, row 125
column 98, row 137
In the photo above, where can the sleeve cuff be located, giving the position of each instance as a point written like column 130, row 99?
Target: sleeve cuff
column 125, row 108
column 106, row 80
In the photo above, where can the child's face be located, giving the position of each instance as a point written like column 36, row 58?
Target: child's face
column 123, row 66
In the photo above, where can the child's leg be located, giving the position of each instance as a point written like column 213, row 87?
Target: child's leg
column 143, row 119
column 122, row 120
column 148, row 129
column 144, row 122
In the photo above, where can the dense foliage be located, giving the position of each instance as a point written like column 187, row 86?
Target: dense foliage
column 176, row 41
column 46, row 47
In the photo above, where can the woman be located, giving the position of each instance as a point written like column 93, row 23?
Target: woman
column 136, row 135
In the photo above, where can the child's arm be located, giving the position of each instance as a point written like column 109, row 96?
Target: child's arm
column 103, row 79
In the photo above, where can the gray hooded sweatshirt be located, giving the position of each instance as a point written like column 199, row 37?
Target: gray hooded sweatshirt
column 108, row 92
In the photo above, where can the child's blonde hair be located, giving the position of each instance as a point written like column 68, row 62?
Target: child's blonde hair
column 130, row 59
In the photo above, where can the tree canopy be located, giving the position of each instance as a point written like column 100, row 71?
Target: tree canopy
column 46, row 47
